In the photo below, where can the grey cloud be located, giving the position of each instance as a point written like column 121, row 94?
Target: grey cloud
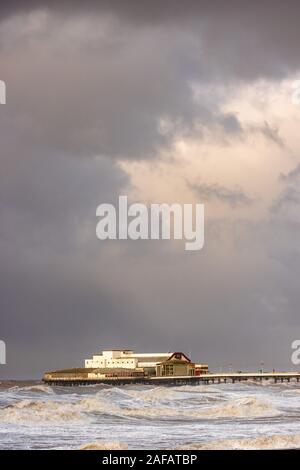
column 230, row 196
column 272, row 133
column 292, row 175
column 52, row 275
column 104, row 92
column 231, row 124
column 289, row 196
column 247, row 40
column 90, row 83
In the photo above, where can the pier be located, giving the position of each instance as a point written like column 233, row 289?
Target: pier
column 206, row 379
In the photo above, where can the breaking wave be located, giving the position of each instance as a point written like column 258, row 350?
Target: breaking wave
column 154, row 404
column 197, row 389
column 247, row 407
column 104, row 445
column 237, row 416
column 37, row 389
column 38, row 411
column 152, row 395
column 242, row 408
column 292, row 391
column 259, row 443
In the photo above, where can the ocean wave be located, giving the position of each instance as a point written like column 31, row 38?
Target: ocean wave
column 99, row 405
column 165, row 395
column 156, row 394
column 104, row 445
column 198, row 389
column 36, row 389
column 257, row 443
column 55, row 411
column 293, row 391
column 248, row 407
column 39, row 411
column 86, row 408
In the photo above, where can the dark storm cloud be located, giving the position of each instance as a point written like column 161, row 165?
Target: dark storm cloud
column 246, row 39
column 103, row 90
column 94, row 86
column 51, row 272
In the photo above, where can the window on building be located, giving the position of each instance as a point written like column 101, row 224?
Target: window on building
column 169, row 369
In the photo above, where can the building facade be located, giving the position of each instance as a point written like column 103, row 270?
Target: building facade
column 128, row 359
column 201, row 369
column 161, row 364
column 178, row 364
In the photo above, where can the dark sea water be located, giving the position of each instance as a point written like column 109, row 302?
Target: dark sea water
column 238, row 416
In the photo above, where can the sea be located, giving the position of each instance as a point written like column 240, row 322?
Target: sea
column 248, row 415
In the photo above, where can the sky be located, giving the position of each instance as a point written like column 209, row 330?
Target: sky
column 175, row 102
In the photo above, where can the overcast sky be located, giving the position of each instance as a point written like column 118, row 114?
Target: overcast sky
column 163, row 102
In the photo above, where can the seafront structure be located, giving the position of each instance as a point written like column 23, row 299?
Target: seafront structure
column 127, row 359
column 124, row 363
column 177, row 365
column 123, row 367
column 157, row 363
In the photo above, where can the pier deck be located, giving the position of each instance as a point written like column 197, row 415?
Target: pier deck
column 274, row 377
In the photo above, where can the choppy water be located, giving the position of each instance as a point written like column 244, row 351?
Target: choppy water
column 144, row 417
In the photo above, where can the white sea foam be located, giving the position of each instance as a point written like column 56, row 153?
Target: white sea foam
column 105, row 416
column 38, row 411
column 293, row 391
column 238, row 408
column 37, row 389
column 198, row 389
column 261, row 443
column 97, row 404
column 248, row 407
column 104, row 445
column 156, row 394
column 56, row 411
column 147, row 408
